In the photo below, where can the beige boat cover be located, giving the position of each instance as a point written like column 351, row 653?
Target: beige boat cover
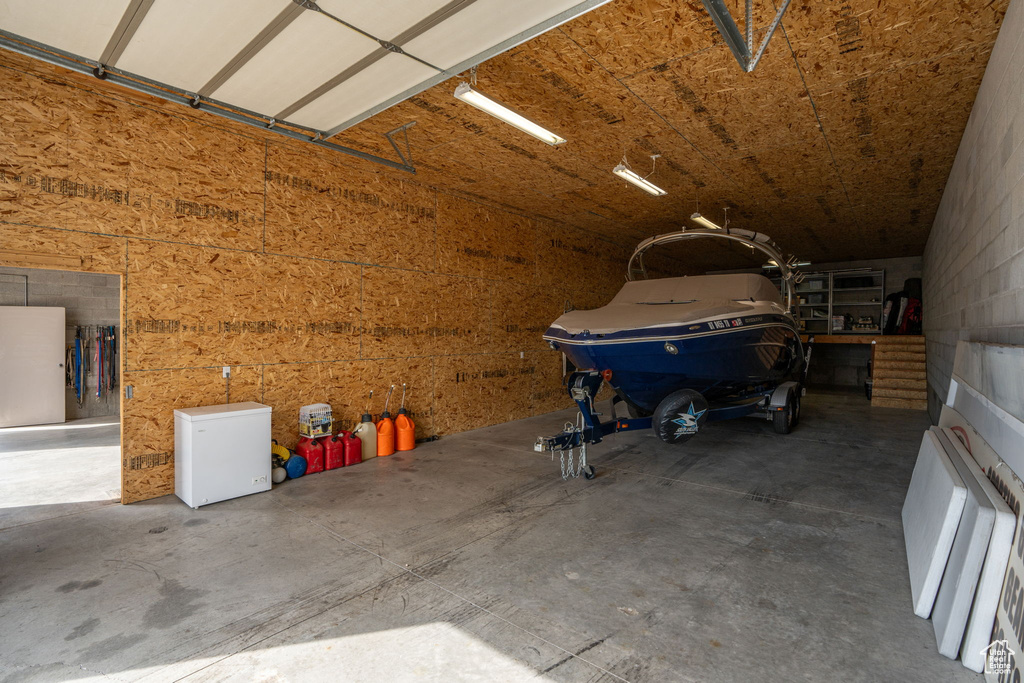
column 734, row 287
column 673, row 301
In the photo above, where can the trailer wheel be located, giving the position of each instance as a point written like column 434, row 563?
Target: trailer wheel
column 679, row 416
column 589, row 472
column 784, row 420
column 797, row 401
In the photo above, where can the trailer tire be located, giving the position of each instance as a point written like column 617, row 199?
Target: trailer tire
column 784, row 420
column 679, row 416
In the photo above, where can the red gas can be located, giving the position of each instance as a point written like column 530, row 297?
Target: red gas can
column 353, row 449
column 313, row 451
column 334, row 450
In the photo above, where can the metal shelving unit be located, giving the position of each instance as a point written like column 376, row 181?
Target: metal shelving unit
column 825, row 295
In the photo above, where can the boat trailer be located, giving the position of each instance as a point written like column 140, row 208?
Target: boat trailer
column 779, row 403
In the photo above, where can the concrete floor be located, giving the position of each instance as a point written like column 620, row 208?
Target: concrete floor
column 50, row 471
column 741, row 556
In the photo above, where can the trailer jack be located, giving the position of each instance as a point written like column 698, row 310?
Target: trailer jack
column 589, row 429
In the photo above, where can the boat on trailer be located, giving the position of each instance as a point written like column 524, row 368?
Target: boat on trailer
column 681, row 351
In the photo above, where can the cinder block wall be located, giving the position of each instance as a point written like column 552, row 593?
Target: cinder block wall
column 974, row 260
column 88, row 299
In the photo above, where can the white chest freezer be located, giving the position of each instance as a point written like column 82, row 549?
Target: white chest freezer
column 221, row 452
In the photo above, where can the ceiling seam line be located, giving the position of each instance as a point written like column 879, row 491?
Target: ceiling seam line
column 418, row 29
column 686, row 56
column 817, row 117
column 125, row 31
column 911, row 63
column 562, row 152
column 668, row 62
column 653, row 110
column 484, row 201
column 252, row 48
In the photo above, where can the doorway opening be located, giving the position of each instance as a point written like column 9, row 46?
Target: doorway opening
column 60, row 411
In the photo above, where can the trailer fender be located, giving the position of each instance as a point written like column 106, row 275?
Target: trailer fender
column 781, row 395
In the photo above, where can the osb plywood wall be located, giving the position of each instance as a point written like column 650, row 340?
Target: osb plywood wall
column 315, row 279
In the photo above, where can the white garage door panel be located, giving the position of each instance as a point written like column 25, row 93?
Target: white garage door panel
column 384, row 79
column 966, row 556
column 479, row 26
column 385, row 18
column 192, row 45
column 990, row 584
column 159, row 50
column 81, row 27
column 931, row 514
column 31, row 365
column 311, row 51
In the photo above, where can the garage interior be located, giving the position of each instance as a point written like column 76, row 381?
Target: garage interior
column 292, row 192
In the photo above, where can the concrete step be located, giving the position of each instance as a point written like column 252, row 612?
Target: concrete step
column 889, row 382
column 921, row 394
column 908, row 403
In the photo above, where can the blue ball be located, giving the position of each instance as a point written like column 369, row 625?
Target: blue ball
column 295, row 466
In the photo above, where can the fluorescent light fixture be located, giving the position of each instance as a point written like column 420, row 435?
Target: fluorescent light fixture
column 643, row 184
column 697, row 218
column 465, row 92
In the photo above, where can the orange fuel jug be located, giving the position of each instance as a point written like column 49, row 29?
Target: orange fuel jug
column 405, row 428
column 386, row 430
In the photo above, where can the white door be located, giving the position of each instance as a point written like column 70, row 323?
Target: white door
column 31, row 365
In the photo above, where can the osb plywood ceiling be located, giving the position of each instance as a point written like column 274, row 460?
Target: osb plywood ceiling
column 838, row 145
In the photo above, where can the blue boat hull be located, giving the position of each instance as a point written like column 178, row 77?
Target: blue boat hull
column 718, row 365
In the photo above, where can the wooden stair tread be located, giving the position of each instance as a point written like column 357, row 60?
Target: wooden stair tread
column 916, row 365
column 899, row 383
column 900, row 373
column 900, row 340
column 883, row 355
column 907, row 403
column 899, row 393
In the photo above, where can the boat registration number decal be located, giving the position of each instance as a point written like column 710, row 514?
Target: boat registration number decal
column 725, row 324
